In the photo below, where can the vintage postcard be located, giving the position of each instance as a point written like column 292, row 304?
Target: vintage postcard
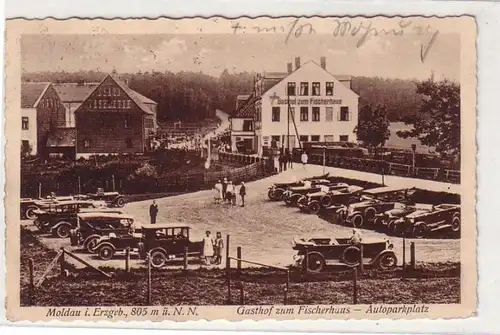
column 241, row 168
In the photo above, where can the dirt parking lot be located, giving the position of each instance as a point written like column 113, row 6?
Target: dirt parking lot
column 263, row 229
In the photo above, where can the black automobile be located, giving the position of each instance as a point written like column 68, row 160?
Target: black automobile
column 112, row 199
column 293, row 194
column 276, row 190
column 314, row 202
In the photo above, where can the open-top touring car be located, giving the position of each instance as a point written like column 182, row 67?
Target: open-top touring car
column 29, row 205
column 112, row 199
column 374, row 201
column 293, row 194
column 276, row 190
column 314, row 202
column 317, row 253
column 59, row 218
column 93, row 225
column 384, row 222
column 422, row 222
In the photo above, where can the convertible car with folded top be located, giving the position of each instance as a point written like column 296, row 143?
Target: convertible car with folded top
column 293, row 194
column 316, row 254
column 314, row 202
column 276, row 190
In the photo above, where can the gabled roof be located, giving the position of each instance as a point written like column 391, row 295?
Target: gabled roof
column 62, row 137
column 142, row 98
column 73, row 92
column 31, row 93
column 271, row 79
column 247, row 110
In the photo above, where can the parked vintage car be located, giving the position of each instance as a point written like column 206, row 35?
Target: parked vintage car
column 422, row 222
column 314, row 202
column 59, row 218
column 163, row 242
column 112, row 199
column 29, row 205
column 276, row 190
column 92, row 226
column 340, row 251
column 384, row 222
column 372, row 202
column 293, row 194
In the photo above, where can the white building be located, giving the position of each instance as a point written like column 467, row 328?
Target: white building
column 31, row 93
column 306, row 104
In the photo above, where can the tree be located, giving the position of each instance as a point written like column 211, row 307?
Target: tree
column 438, row 122
column 373, row 126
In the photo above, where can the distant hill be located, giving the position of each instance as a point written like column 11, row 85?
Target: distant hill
column 195, row 96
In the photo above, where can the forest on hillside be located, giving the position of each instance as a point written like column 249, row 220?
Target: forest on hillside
column 193, row 95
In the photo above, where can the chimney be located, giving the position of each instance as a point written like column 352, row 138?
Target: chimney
column 323, row 62
column 289, row 67
column 297, row 62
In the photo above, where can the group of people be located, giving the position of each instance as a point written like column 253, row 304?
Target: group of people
column 212, row 248
column 225, row 192
column 285, row 160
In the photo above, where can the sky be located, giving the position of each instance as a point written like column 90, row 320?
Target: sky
column 383, row 56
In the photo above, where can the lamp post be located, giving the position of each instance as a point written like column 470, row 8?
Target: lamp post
column 383, row 163
column 324, row 158
column 413, row 148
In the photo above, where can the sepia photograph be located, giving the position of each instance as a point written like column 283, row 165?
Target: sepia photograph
column 284, row 168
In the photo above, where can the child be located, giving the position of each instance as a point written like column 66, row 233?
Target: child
column 218, row 246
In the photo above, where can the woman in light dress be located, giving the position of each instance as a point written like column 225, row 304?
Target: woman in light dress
column 208, row 248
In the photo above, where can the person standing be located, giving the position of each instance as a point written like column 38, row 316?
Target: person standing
column 243, row 192
column 304, row 159
column 208, row 248
column 224, row 189
column 218, row 246
column 231, row 193
column 285, row 161
column 290, row 159
column 153, row 212
column 218, row 192
column 280, row 160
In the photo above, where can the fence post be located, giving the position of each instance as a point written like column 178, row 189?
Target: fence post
column 412, row 255
column 113, row 182
column 287, row 287
column 127, row 259
column 40, row 189
column 306, row 261
column 185, row 258
column 404, row 257
column 238, row 255
column 361, row 266
column 242, row 294
column 228, row 272
column 149, row 279
column 32, row 282
column 79, row 186
column 62, row 263
column 355, row 286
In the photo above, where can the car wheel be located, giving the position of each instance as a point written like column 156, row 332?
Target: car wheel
column 370, row 213
column 106, row 252
column 455, row 224
column 419, row 230
column 357, row 220
column 350, row 256
column 158, row 259
column 315, row 263
column 30, row 212
column 378, row 223
column 272, row 196
column 314, row 207
column 63, row 230
column 90, row 243
column 387, row 262
column 326, row 201
column 120, row 202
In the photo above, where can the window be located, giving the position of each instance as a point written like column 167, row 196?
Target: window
column 128, row 141
column 304, row 113
column 116, row 91
column 329, row 88
column 86, row 143
column 344, row 113
column 25, row 146
column 247, row 125
column 314, row 138
column 329, row 114
column 303, row 138
column 276, row 114
column 290, row 89
column 25, row 123
column 128, row 122
column 344, row 138
column 304, row 88
column 316, row 88
column 291, row 117
column 315, row 114
column 329, row 138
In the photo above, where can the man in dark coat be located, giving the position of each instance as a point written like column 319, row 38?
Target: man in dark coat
column 243, row 192
column 153, row 212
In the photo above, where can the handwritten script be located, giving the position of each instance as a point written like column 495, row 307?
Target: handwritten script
column 363, row 31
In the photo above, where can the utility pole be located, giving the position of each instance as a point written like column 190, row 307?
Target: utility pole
column 413, row 148
column 288, row 122
column 383, row 163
